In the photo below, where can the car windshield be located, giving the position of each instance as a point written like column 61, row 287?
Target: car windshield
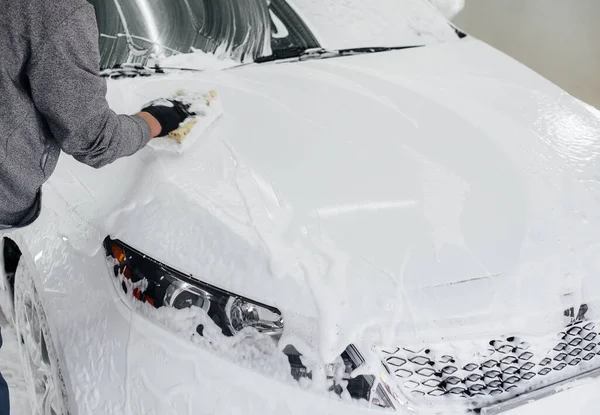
column 147, row 32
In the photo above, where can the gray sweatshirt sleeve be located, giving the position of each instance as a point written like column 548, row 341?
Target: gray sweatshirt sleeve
column 70, row 95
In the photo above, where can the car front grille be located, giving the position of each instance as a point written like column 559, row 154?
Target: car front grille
column 493, row 370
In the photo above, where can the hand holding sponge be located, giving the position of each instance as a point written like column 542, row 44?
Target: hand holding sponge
column 177, row 115
column 183, row 130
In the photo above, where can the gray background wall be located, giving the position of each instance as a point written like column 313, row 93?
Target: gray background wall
column 558, row 38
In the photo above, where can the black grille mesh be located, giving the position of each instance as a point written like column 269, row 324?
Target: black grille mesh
column 501, row 367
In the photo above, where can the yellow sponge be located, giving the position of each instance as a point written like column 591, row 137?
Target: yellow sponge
column 180, row 133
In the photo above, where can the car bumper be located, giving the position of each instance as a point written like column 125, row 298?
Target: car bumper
column 169, row 375
column 576, row 395
column 118, row 362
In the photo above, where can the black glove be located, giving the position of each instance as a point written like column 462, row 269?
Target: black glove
column 169, row 113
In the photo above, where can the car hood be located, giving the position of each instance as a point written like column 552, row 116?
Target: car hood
column 407, row 196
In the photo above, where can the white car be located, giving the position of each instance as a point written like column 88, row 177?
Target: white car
column 388, row 214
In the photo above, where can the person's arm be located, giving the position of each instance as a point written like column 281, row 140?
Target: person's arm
column 71, row 96
column 155, row 127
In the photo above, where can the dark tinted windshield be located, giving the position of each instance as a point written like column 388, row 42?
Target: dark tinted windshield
column 143, row 31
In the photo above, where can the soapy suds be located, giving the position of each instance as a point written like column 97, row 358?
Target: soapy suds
column 449, row 8
column 225, row 180
column 198, row 59
column 248, row 348
column 375, row 23
column 234, row 188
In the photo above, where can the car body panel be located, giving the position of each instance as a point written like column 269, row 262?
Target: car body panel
column 316, row 143
column 378, row 23
column 382, row 199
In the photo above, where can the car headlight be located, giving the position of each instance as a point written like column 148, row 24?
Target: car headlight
column 161, row 286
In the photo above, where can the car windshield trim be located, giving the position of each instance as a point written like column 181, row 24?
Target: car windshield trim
column 294, row 54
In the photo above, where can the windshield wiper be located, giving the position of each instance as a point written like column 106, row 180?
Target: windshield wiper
column 300, row 53
column 321, row 53
column 132, row 70
column 281, row 54
column 376, row 49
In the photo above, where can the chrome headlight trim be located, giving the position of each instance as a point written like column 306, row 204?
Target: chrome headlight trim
column 162, row 286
